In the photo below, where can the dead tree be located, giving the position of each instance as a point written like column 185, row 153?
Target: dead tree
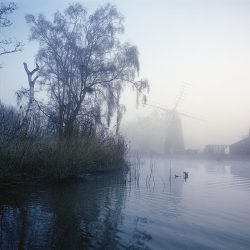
column 30, row 115
column 31, row 83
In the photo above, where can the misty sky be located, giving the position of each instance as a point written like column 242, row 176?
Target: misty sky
column 205, row 43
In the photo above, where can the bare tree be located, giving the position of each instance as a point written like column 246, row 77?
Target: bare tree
column 83, row 65
column 33, row 121
column 31, row 83
column 7, row 46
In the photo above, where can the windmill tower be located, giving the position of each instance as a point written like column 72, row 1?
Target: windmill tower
column 174, row 140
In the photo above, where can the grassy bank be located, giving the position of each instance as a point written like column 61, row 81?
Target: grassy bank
column 50, row 159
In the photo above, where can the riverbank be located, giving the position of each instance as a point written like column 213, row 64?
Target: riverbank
column 50, row 160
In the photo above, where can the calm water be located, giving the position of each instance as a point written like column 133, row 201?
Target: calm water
column 145, row 209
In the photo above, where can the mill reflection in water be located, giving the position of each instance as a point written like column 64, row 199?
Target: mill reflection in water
column 146, row 208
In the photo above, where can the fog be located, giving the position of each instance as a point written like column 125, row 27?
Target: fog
column 203, row 43
column 137, row 139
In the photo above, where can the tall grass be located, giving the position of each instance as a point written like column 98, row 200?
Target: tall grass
column 32, row 149
column 59, row 159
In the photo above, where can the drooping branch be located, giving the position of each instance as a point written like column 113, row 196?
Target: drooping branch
column 84, row 65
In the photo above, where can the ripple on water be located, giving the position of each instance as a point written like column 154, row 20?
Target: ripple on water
column 209, row 210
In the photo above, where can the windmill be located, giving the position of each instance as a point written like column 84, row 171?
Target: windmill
column 174, row 140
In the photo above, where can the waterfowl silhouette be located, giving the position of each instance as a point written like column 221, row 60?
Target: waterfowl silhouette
column 185, row 175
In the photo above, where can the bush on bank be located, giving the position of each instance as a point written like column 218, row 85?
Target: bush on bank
column 47, row 158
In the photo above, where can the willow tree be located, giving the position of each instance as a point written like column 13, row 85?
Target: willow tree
column 83, row 65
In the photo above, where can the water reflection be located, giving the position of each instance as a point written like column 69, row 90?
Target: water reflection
column 148, row 208
column 77, row 216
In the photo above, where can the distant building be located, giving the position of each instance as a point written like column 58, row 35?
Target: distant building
column 241, row 147
column 174, row 142
column 215, row 149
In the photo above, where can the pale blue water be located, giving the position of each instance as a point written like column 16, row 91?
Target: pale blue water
column 144, row 209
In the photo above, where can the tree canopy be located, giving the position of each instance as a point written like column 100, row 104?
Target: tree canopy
column 84, row 67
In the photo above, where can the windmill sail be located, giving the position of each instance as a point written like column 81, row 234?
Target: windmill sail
column 174, row 140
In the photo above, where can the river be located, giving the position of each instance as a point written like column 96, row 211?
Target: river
column 146, row 208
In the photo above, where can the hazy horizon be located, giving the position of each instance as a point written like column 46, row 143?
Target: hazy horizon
column 203, row 43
